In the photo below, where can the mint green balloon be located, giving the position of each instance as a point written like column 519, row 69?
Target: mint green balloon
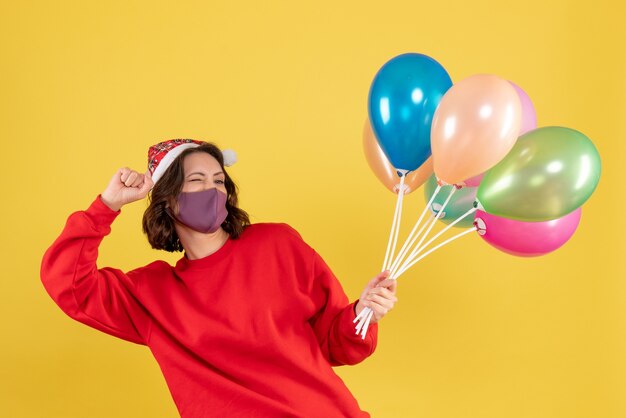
column 549, row 173
column 462, row 200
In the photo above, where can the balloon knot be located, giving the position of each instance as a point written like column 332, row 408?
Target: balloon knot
column 404, row 188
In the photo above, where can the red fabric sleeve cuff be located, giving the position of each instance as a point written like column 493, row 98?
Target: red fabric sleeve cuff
column 100, row 213
column 348, row 327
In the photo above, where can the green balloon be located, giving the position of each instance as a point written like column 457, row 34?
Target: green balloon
column 461, row 201
column 549, row 173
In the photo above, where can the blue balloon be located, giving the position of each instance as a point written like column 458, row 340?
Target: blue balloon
column 402, row 101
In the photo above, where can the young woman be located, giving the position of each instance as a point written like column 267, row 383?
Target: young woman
column 248, row 323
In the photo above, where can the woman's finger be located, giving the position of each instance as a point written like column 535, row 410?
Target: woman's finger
column 124, row 173
column 138, row 181
column 131, row 178
column 379, row 311
column 147, row 185
column 382, row 301
column 379, row 278
column 389, row 284
column 385, row 293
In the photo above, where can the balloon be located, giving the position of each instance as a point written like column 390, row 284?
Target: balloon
column 550, row 172
column 402, row 100
column 383, row 169
column 474, row 181
column 474, row 127
column 461, row 201
column 529, row 116
column 526, row 239
column 528, row 123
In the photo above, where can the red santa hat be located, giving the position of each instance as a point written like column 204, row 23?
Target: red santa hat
column 163, row 154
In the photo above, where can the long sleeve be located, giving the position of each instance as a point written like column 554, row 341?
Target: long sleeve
column 105, row 298
column 333, row 323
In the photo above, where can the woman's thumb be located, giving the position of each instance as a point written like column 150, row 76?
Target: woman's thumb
column 147, row 183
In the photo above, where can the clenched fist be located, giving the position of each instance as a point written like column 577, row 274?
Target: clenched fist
column 126, row 186
column 379, row 295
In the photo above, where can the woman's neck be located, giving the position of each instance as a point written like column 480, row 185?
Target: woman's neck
column 199, row 245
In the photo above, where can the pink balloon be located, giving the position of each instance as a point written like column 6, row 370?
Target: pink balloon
column 529, row 116
column 526, row 239
column 474, row 181
column 475, row 125
column 528, row 123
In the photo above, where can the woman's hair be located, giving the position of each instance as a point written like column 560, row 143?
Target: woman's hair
column 158, row 225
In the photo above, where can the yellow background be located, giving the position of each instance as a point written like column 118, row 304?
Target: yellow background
column 88, row 86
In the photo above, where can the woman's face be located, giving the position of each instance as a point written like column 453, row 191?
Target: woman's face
column 202, row 172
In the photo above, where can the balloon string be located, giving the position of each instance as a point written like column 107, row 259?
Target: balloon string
column 394, row 223
column 419, row 234
column 367, row 324
column 399, row 218
column 391, row 244
column 366, row 314
column 419, row 249
column 363, row 313
column 436, row 248
column 363, row 319
column 410, row 240
column 398, row 265
column 364, row 324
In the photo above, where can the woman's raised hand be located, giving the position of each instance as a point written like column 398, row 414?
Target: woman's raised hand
column 126, row 186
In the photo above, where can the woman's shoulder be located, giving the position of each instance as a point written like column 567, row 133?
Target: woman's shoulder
column 272, row 227
column 277, row 230
column 156, row 268
column 277, row 236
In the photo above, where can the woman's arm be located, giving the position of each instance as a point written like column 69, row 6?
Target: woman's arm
column 105, row 298
column 333, row 323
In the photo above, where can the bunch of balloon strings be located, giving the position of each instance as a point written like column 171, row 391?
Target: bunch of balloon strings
column 411, row 253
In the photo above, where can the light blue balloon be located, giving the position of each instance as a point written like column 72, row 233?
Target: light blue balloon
column 402, row 101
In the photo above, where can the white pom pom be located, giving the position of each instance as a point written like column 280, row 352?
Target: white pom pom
column 230, row 157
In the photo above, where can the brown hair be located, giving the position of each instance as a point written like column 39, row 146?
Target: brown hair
column 158, row 225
